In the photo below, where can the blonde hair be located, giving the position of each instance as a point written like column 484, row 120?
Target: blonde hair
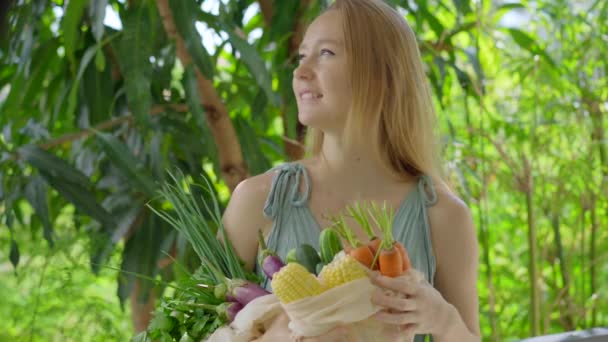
column 391, row 101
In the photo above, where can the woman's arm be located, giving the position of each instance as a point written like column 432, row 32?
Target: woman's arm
column 449, row 310
column 244, row 216
column 456, row 251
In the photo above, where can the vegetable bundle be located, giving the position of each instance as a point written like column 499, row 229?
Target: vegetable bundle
column 336, row 265
column 222, row 301
column 220, row 289
column 322, row 290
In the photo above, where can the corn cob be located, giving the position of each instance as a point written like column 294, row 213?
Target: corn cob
column 340, row 271
column 294, row 282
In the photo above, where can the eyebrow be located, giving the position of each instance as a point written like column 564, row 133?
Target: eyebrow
column 323, row 41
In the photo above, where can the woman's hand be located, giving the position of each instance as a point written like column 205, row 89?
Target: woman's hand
column 411, row 305
column 279, row 331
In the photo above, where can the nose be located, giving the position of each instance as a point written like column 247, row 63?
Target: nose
column 303, row 72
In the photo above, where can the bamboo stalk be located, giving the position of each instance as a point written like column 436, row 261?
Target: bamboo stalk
column 597, row 139
column 593, row 256
column 533, row 273
column 565, row 275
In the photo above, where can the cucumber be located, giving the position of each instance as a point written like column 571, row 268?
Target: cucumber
column 330, row 244
column 319, row 268
column 307, row 256
column 291, row 256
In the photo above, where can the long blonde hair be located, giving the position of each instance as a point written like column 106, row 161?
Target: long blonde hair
column 391, row 101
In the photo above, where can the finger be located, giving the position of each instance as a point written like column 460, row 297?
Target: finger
column 397, row 318
column 393, row 302
column 339, row 333
column 399, row 284
column 409, row 328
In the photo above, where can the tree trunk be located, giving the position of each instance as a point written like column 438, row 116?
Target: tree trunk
column 141, row 312
column 232, row 164
column 295, row 149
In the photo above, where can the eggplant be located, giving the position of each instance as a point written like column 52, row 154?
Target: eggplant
column 268, row 259
column 243, row 291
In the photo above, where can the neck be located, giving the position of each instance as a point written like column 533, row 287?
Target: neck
column 353, row 164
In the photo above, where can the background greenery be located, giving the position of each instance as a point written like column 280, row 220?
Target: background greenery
column 99, row 98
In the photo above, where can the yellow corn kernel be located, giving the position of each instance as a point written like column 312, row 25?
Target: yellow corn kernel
column 294, row 282
column 341, row 271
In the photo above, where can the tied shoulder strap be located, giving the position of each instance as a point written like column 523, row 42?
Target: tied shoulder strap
column 285, row 189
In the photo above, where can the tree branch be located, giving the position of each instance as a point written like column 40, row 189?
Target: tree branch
column 107, row 125
column 232, row 164
column 267, row 11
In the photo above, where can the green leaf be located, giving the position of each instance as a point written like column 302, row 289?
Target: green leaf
column 71, row 25
column 254, row 63
column 462, row 6
column 100, row 60
column 134, row 49
column 185, row 15
column 132, row 169
column 14, row 253
column 141, row 337
column 186, row 338
column 36, row 192
column 252, row 151
column 432, row 20
column 83, row 199
column 97, row 13
column 192, row 96
column 97, row 91
column 42, row 63
column 53, row 166
column 528, row 43
column 140, row 256
column 84, row 63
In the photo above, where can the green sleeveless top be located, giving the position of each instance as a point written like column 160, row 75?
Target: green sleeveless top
column 293, row 223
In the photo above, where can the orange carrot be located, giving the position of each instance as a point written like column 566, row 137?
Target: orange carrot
column 391, row 262
column 406, row 259
column 363, row 254
column 374, row 245
column 347, row 248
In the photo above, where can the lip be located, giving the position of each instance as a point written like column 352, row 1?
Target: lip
column 304, row 93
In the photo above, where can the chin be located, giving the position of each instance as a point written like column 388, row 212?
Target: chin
column 311, row 119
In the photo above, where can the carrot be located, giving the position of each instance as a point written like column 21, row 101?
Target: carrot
column 406, row 259
column 374, row 245
column 391, row 257
column 363, row 254
column 391, row 262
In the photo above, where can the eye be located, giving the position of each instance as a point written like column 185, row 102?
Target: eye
column 327, row 52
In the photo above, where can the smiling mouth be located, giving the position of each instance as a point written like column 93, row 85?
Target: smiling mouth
column 310, row 96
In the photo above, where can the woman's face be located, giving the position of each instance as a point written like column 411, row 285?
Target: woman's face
column 321, row 82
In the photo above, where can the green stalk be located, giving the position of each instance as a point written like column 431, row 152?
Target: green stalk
column 190, row 221
column 383, row 217
column 345, row 232
column 358, row 213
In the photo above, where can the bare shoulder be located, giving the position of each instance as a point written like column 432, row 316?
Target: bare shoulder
column 244, row 215
column 452, row 227
column 449, row 211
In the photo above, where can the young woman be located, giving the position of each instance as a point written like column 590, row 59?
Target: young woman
column 362, row 91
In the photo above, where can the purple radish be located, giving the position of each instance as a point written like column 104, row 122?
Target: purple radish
column 231, row 310
column 243, row 291
column 269, row 260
